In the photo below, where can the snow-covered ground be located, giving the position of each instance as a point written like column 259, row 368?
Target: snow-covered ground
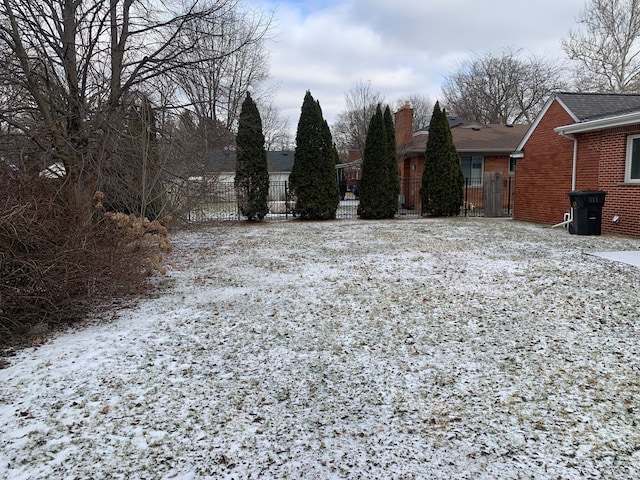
column 447, row 348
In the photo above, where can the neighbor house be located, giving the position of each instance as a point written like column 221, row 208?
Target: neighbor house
column 582, row 141
column 482, row 149
column 223, row 163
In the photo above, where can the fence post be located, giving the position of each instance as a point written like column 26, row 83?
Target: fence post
column 509, row 195
column 466, row 195
column 286, row 200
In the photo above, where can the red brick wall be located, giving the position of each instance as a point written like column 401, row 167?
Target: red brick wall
column 496, row 163
column 608, row 149
column 543, row 176
column 404, row 125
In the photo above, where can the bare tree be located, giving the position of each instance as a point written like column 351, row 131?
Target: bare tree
column 607, row 47
column 77, row 64
column 422, row 109
column 350, row 129
column 230, row 59
column 275, row 127
column 503, row 88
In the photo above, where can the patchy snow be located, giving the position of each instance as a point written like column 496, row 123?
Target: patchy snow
column 447, row 348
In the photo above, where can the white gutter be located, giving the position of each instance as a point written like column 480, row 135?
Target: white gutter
column 601, row 123
column 574, row 172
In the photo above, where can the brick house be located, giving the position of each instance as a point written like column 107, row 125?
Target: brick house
column 582, row 141
column 482, row 148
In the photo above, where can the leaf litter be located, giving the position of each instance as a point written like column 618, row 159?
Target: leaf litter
column 431, row 348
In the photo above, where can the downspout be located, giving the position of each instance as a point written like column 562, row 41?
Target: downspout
column 574, row 174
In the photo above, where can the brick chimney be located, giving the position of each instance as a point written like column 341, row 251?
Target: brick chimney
column 404, row 125
column 354, row 155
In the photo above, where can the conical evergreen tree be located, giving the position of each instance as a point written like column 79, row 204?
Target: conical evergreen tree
column 252, row 171
column 313, row 177
column 394, row 171
column 375, row 193
column 442, row 179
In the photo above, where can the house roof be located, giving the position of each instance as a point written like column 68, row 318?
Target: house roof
column 453, row 122
column 475, row 138
column 591, row 106
column 590, row 111
column 225, row 161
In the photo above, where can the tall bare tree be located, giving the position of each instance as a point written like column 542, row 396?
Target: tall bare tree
column 275, row 127
column 79, row 63
column 606, row 47
column 504, row 88
column 350, row 129
column 229, row 60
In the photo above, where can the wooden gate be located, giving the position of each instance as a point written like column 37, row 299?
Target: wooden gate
column 493, row 184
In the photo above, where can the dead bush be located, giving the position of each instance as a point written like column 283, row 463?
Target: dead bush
column 55, row 266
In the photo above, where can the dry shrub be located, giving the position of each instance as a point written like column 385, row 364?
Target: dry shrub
column 55, row 266
column 143, row 241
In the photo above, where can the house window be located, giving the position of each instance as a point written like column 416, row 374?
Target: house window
column 632, row 171
column 472, row 168
column 512, row 165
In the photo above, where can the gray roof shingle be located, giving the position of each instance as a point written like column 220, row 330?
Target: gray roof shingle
column 591, row 106
column 487, row 139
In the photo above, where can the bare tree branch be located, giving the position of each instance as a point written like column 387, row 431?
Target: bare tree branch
column 501, row 88
column 350, row 129
column 606, row 48
column 77, row 66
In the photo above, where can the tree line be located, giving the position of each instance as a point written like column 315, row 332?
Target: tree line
column 131, row 103
column 313, row 179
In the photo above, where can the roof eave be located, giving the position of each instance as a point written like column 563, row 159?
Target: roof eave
column 487, row 151
column 541, row 114
column 600, row 124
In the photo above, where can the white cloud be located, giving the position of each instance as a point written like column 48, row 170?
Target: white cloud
column 400, row 46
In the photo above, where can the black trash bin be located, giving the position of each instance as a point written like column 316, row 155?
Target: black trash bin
column 587, row 211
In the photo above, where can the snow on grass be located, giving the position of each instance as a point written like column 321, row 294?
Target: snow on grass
column 451, row 348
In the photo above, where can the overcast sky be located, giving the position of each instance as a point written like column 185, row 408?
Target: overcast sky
column 400, row 46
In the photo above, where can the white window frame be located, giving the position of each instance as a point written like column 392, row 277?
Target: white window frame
column 629, row 159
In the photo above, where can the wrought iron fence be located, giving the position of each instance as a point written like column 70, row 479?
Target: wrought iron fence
column 216, row 201
column 475, row 197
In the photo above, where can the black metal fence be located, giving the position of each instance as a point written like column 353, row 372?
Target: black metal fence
column 475, row 197
column 216, row 201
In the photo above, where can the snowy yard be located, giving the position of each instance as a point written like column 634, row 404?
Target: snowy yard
column 416, row 349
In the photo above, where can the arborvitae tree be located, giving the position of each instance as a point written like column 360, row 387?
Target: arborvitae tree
column 442, row 179
column 394, row 171
column 252, row 171
column 313, row 176
column 374, row 189
column 335, row 156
